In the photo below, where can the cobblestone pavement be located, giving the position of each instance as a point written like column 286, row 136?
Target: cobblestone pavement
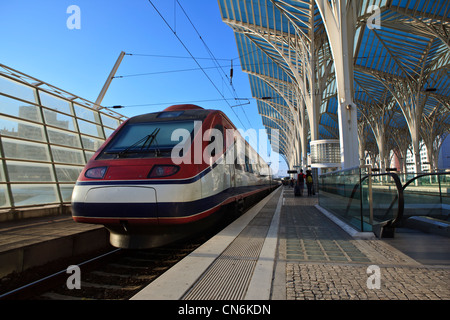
column 319, row 281
column 322, row 262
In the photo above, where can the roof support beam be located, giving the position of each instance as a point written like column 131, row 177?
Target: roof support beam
column 339, row 22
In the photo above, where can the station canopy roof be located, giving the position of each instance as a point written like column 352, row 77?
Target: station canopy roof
column 401, row 67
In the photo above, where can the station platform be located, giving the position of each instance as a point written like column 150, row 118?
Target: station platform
column 283, row 248
column 287, row 248
column 33, row 242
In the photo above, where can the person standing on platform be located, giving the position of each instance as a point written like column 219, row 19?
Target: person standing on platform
column 309, row 182
column 301, row 181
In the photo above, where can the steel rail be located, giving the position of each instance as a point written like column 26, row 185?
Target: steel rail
column 27, row 286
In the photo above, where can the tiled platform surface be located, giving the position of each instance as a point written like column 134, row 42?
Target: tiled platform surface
column 318, row 260
column 285, row 248
column 288, row 249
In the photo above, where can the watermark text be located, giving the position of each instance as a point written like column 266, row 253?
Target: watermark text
column 74, row 20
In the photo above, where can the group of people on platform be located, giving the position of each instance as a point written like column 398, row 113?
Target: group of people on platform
column 299, row 184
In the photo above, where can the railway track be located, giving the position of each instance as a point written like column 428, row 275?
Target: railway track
column 115, row 275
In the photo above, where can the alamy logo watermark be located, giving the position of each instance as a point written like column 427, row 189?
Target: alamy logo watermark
column 224, row 147
column 74, row 20
column 374, row 280
column 374, row 21
column 73, row 281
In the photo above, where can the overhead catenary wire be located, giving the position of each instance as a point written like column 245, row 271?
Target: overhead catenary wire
column 231, row 66
column 170, row 56
column 169, row 103
column 160, row 72
column 187, row 57
column 233, row 92
column 196, row 61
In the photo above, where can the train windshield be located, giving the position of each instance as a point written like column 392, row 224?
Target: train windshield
column 148, row 139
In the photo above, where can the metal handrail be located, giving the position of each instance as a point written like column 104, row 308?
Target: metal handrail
column 401, row 201
column 424, row 175
column 392, row 223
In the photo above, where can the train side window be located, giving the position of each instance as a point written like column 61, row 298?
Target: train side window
column 237, row 165
column 221, row 129
column 248, row 166
column 211, row 135
column 213, row 151
column 213, row 138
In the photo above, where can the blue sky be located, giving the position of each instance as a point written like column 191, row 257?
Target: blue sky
column 35, row 40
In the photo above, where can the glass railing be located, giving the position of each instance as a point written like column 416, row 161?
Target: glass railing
column 385, row 202
column 366, row 201
column 382, row 202
column 427, row 195
column 335, row 191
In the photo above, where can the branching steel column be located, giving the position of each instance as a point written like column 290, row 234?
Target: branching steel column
column 339, row 22
column 362, row 136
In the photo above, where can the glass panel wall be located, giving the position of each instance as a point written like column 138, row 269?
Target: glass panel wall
column 56, row 103
column 25, row 150
column 67, row 155
column 46, row 137
column 59, row 120
column 428, row 195
column 360, row 199
column 63, row 138
column 366, row 200
column 14, row 88
column 21, row 129
column 340, row 193
column 20, row 109
column 4, row 196
column 34, row 194
column 29, row 172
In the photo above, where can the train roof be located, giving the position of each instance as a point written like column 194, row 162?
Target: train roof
column 176, row 112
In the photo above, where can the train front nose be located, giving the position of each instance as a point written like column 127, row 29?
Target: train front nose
column 111, row 205
column 130, row 213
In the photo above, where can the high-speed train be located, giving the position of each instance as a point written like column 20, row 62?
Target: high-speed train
column 164, row 176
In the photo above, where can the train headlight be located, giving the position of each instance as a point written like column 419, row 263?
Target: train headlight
column 159, row 171
column 96, row 173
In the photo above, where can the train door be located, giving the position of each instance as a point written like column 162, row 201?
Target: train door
column 230, row 165
column 229, row 146
column 218, row 179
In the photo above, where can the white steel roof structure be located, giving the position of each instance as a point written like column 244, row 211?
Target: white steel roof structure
column 373, row 74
